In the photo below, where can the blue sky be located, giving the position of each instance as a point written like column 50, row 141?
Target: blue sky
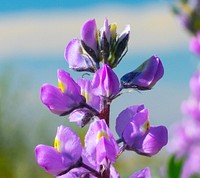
column 18, row 5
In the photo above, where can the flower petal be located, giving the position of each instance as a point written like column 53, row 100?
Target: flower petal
column 77, row 58
column 145, row 76
column 89, row 34
column 49, row 159
column 55, row 100
column 125, row 117
column 144, row 173
column 151, row 143
column 105, row 82
column 69, row 144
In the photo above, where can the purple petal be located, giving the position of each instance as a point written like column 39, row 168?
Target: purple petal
column 105, row 152
column 55, row 100
column 70, row 87
column 192, row 164
column 151, row 143
column 81, row 116
column 195, row 84
column 63, row 99
column 195, row 45
column 106, row 30
column 68, row 143
column 89, row 34
column 76, row 58
column 145, row 76
column 113, row 172
column 97, row 130
column 105, row 82
column 125, row 117
column 49, row 159
column 191, row 108
column 144, row 173
column 87, row 92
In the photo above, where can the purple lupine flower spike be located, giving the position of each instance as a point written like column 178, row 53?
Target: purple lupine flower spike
column 65, row 98
column 65, row 153
column 145, row 76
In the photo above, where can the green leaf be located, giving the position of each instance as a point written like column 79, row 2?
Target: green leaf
column 174, row 167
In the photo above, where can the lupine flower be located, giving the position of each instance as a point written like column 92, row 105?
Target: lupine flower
column 185, row 135
column 192, row 164
column 190, row 107
column 65, row 153
column 77, row 57
column 97, row 46
column 145, row 76
column 105, row 82
column 195, row 44
column 87, row 91
column 195, row 85
column 83, row 116
column 63, row 99
column 144, row 173
column 133, row 127
column 100, row 143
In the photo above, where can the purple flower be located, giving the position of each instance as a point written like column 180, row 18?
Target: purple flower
column 191, row 166
column 89, row 34
column 105, row 82
column 65, row 153
column 100, row 143
column 77, row 58
column 145, row 76
column 97, row 46
column 65, row 98
column 185, row 135
column 82, row 55
column 195, row 85
column 190, row 107
column 144, row 173
column 133, row 127
column 195, row 44
column 81, row 116
column 87, row 92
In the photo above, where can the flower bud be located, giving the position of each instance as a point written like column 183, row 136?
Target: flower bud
column 105, row 82
column 145, row 76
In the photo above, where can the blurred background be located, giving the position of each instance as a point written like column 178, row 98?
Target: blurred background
column 33, row 36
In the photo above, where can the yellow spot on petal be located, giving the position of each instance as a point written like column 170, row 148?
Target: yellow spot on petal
column 57, row 144
column 61, row 86
column 146, row 127
column 113, row 30
column 100, row 134
column 86, row 95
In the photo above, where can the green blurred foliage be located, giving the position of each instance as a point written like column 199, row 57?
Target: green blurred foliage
column 17, row 159
column 174, row 167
